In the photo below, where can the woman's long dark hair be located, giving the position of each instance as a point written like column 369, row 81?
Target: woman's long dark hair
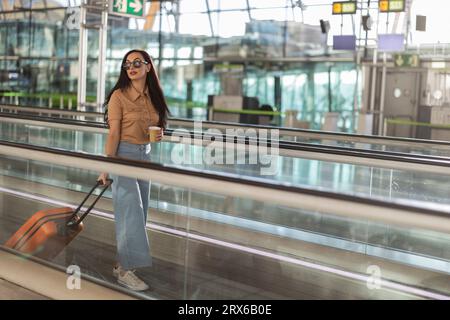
column 152, row 83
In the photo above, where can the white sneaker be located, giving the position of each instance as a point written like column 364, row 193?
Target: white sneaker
column 116, row 270
column 130, row 280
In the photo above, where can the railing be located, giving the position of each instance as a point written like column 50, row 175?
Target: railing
column 370, row 158
column 294, row 133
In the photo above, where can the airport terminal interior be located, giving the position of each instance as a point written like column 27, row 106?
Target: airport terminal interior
column 306, row 154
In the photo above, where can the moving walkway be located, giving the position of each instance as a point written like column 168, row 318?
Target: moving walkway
column 274, row 241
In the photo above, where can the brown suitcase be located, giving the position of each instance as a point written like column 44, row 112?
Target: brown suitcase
column 48, row 232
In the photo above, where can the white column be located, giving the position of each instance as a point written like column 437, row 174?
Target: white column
column 382, row 96
column 103, row 32
column 82, row 58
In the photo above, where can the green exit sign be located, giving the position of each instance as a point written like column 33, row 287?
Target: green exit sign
column 406, row 60
column 127, row 8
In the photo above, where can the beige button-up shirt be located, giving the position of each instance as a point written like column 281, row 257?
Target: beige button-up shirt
column 136, row 112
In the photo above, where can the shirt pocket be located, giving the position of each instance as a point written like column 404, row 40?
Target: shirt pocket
column 133, row 113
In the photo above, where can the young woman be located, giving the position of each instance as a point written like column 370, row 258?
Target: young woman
column 135, row 103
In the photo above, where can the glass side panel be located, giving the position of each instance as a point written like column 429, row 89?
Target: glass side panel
column 206, row 245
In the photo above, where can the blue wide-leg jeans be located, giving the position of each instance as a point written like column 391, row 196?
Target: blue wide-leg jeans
column 130, row 201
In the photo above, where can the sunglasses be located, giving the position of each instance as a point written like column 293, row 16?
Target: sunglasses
column 137, row 63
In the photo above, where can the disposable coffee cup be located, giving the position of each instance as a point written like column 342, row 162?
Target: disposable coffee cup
column 153, row 133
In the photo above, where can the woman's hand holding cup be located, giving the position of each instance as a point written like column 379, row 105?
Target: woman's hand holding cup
column 156, row 134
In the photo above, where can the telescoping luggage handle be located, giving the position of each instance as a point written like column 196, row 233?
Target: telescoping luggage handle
column 72, row 222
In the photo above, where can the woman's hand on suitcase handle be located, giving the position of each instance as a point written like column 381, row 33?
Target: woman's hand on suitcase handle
column 103, row 177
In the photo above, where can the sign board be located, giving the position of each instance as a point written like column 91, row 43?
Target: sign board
column 127, row 8
column 392, row 5
column 406, row 60
column 344, row 43
column 344, row 7
column 391, row 42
